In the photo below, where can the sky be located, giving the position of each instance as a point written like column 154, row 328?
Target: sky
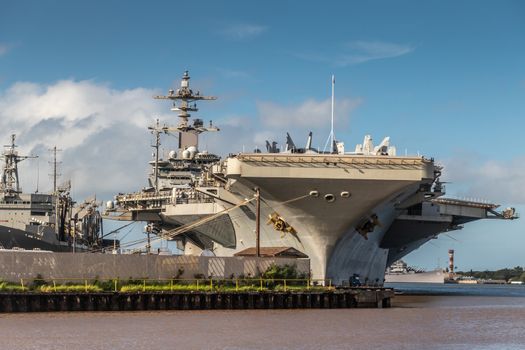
column 444, row 79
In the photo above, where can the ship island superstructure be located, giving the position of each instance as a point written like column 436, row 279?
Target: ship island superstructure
column 352, row 213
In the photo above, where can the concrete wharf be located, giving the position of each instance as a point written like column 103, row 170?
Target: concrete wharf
column 136, row 301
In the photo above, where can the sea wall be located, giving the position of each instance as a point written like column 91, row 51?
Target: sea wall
column 16, row 265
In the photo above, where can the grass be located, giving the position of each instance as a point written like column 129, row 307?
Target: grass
column 9, row 287
column 64, row 288
column 254, row 287
column 243, row 286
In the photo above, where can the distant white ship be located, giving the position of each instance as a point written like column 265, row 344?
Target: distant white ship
column 400, row 272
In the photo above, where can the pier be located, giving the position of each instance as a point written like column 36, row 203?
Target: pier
column 139, row 301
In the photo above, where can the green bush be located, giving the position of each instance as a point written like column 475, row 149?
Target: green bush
column 281, row 272
column 38, row 282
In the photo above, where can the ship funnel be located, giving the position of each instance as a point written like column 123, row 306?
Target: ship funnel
column 451, row 262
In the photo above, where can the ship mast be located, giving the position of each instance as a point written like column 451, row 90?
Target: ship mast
column 188, row 134
column 331, row 137
column 156, row 129
column 55, row 166
column 10, row 185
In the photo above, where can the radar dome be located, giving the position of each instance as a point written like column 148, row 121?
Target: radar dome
column 192, row 150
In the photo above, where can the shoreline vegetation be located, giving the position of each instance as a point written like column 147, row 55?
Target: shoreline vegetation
column 275, row 278
column 516, row 274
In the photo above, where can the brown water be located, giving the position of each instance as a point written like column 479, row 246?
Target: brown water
column 414, row 322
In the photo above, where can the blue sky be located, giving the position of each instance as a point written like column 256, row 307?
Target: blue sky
column 442, row 78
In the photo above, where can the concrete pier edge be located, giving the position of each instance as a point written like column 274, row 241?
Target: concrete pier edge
column 139, row 301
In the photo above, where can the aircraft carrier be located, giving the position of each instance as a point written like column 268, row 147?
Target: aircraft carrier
column 352, row 213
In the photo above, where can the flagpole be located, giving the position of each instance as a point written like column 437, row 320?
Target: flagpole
column 333, row 100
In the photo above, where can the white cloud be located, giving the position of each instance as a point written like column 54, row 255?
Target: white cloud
column 310, row 113
column 272, row 122
column 359, row 52
column 243, row 31
column 495, row 180
column 101, row 130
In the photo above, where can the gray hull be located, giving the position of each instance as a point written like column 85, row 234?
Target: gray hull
column 14, row 238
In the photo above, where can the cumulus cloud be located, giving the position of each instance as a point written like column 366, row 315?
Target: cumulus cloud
column 100, row 130
column 356, row 52
column 103, row 137
column 243, row 31
column 495, row 180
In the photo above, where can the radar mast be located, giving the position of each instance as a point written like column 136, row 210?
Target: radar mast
column 10, row 186
column 186, row 104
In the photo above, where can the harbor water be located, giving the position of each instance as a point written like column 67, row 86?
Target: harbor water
column 422, row 317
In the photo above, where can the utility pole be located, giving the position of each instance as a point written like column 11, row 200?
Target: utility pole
column 258, row 223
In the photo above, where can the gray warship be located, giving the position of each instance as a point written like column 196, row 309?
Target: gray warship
column 352, row 213
column 40, row 221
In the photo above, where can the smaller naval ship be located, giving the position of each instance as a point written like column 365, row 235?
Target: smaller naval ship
column 40, row 221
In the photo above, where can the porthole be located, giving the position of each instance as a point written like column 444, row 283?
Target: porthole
column 345, row 194
column 329, row 197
